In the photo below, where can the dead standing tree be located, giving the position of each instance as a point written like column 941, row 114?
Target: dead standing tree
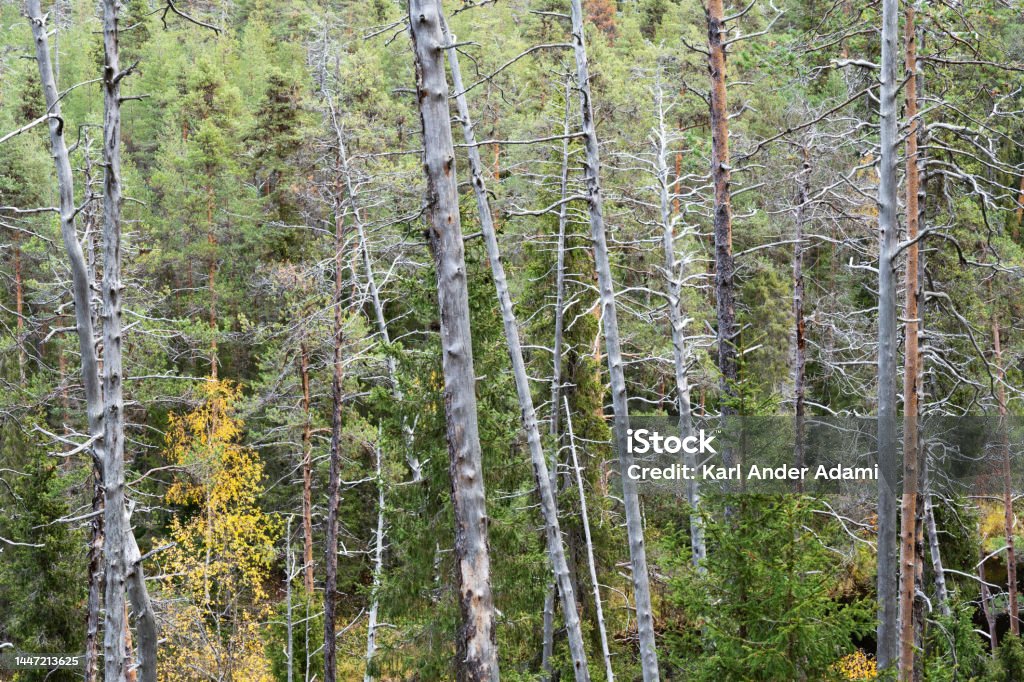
column 606, row 286
column 476, row 657
column 103, row 391
column 542, row 477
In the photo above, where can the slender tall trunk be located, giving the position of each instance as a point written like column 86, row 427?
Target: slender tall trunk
column 307, row 474
column 986, row 602
column 378, row 567
column 800, row 342
column 1004, row 444
column 476, row 655
column 121, row 553
column 95, row 598
column 19, row 307
column 556, row 368
column 682, row 357
column 542, row 477
column 606, row 287
column 888, row 568
column 591, row 564
column 211, row 282
column 721, row 176
column 334, row 475
column 911, row 362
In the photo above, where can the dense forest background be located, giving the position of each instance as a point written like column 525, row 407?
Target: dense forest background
column 282, row 342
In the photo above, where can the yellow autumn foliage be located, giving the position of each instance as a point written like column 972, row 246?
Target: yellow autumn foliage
column 857, row 666
column 221, row 559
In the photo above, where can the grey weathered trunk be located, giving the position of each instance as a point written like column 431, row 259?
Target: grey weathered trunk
column 542, row 477
column 476, row 654
column 121, row 553
column 591, row 564
column 682, row 356
column 104, row 402
column 378, row 567
column 888, row 568
column 606, row 286
column 556, row 366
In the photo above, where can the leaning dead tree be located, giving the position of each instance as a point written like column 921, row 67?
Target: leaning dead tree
column 620, row 406
column 476, row 655
column 542, row 477
column 103, row 389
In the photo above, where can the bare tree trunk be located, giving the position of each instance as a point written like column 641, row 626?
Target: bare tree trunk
column 307, row 475
column 378, row 567
column 211, row 277
column 941, row 591
column 605, row 652
column 888, row 568
column 1004, row 444
column 94, row 602
column 606, row 285
column 721, row 176
column 104, row 405
column 334, row 475
column 476, row 654
column 911, row 362
column 123, row 559
column 19, row 308
column 800, row 343
column 682, row 357
column 556, row 369
column 542, row 477
column 986, row 602
column 289, row 621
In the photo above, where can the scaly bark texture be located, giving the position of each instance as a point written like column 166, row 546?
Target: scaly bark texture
column 911, row 362
column 725, row 306
column 476, row 651
column 888, row 568
column 606, row 288
column 800, row 342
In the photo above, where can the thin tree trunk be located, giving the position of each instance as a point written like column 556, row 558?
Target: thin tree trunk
column 553, row 533
column 307, row 474
column 675, row 273
column 721, row 176
column 911, row 362
column 378, row 567
column 941, row 591
column 606, row 285
column 605, row 652
column 888, row 568
column 1004, row 444
column 476, row 655
column 334, row 475
column 19, row 308
column 211, row 277
column 289, row 621
column 800, row 344
column 986, row 602
column 94, row 602
column 556, row 369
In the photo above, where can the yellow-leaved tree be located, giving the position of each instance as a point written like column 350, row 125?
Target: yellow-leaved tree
column 219, row 565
